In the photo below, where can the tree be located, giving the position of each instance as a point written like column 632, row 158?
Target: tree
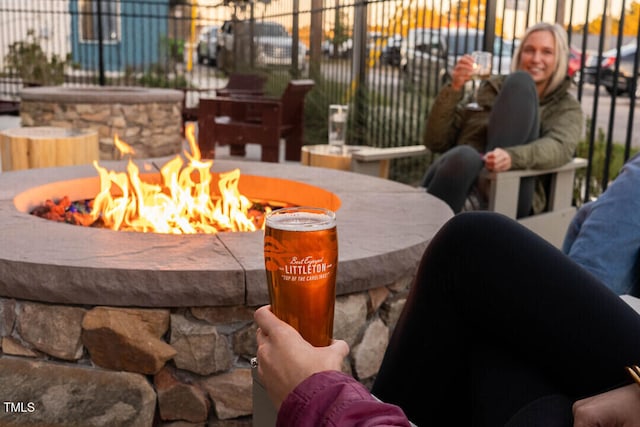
column 469, row 12
column 340, row 30
column 632, row 19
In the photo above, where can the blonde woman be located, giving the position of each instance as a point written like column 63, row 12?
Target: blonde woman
column 528, row 120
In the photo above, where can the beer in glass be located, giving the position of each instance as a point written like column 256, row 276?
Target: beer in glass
column 301, row 259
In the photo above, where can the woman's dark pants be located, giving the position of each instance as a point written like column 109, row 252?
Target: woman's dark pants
column 502, row 329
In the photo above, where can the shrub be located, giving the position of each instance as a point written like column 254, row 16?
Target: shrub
column 27, row 59
column 597, row 165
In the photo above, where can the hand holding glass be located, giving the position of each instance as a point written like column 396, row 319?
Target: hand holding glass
column 301, row 260
column 481, row 71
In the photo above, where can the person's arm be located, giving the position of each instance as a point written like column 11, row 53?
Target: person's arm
column 305, row 384
column 616, row 408
column 336, row 399
column 442, row 122
column 576, row 224
column 608, row 241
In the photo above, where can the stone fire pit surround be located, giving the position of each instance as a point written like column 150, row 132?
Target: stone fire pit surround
column 74, row 300
column 148, row 119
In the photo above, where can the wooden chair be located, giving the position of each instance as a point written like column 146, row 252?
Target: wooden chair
column 259, row 120
column 243, row 85
column 237, row 85
column 190, row 114
column 551, row 224
column 376, row 161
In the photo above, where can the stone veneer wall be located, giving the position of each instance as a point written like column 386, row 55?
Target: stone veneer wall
column 72, row 365
column 149, row 120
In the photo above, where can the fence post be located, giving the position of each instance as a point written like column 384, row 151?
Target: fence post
column 359, row 83
column 295, row 38
column 102, row 77
column 490, row 25
column 315, row 42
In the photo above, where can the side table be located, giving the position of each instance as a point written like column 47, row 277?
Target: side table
column 357, row 158
column 46, row 146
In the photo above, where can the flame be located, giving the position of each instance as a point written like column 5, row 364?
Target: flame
column 123, row 147
column 182, row 204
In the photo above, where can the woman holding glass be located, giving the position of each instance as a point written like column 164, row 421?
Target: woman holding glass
column 533, row 340
column 527, row 119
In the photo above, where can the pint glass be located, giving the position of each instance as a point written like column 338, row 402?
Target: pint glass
column 301, row 260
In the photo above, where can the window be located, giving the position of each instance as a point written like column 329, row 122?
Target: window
column 109, row 15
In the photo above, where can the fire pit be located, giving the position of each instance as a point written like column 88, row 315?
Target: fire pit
column 149, row 118
column 199, row 281
column 380, row 223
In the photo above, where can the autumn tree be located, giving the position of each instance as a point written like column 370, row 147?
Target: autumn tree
column 630, row 26
column 631, row 20
column 468, row 13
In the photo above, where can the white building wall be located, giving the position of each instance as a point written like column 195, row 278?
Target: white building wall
column 49, row 19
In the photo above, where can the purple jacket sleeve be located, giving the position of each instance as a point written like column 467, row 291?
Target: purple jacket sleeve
column 332, row 398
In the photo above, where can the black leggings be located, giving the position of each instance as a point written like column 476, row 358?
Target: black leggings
column 502, row 329
column 514, row 120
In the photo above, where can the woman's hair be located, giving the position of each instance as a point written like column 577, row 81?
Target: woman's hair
column 561, row 48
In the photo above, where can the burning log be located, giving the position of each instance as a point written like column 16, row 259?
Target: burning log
column 80, row 212
column 64, row 210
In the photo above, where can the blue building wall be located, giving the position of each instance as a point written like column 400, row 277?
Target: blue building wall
column 143, row 31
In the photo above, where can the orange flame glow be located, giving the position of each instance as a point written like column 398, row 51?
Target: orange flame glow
column 182, row 204
column 123, row 147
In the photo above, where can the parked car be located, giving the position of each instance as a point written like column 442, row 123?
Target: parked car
column 326, row 47
column 272, row 43
column 503, row 50
column 575, row 62
column 626, row 77
column 391, row 51
column 427, row 53
column 344, row 48
column 207, row 45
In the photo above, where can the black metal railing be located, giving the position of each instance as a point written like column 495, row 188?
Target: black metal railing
column 353, row 49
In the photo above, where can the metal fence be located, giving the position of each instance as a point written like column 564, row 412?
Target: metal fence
column 350, row 48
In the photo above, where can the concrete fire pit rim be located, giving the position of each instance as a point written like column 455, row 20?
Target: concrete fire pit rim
column 172, row 271
column 101, row 95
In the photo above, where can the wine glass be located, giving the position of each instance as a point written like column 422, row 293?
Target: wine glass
column 481, row 71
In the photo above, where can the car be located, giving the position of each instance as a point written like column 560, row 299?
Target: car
column 272, row 43
column 427, row 53
column 207, row 45
column 344, row 48
column 626, row 78
column 390, row 54
column 503, row 50
column 326, row 47
column 420, row 54
column 575, row 63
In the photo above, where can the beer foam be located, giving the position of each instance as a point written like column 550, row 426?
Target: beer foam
column 301, row 221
